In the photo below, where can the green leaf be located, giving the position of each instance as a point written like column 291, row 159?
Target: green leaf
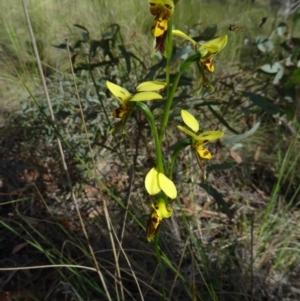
column 187, row 63
column 260, row 39
column 264, row 44
column 289, row 61
column 281, row 29
column 222, row 166
column 262, row 102
column 219, row 199
column 200, row 103
column 270, row 68
column 154, row 69
column 222, row 120
column 126, row 56
column 279, row 75
column 295, row 53
column 294, row 79
column 238, row 138
column 296, row 17
column 182, row 53
column 290, row 113
column 208, row 33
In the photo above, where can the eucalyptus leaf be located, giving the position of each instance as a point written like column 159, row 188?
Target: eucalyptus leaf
column 222, row 120
column 289, row 61
column 182, row 53
column 262, row 102
column 265, row 46
column 279, row 75
column 238, row 138
column 270, row 68
column 281, row 29
column 154, row 69
column 208, row 33
column 126, row 56
column 222, row 166
column 260, row 39
column 186, row 64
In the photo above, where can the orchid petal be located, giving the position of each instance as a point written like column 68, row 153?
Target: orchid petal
column 208, row 64
column 152, row 226
column 162, row 210
column 186, row 131
column 190, row 120
column 157, row 6
column 179, row 33
column 150, row 86
column 120, row 93
column 159, row 25
column 143, row 96
column 203, row 152
column 209, row 136
column 151, row 182
column 216, row 45
column 167, row 186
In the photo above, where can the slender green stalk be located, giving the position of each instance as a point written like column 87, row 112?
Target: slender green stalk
column 165, row 117
column 166, row 113
column 160, row 166
column 169, row 54
column 145, row 109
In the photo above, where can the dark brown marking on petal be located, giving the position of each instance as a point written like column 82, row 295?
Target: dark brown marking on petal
column 161, row 27
column 205, row 141
column 117, row 112
column 155, row 220
column 160, row 42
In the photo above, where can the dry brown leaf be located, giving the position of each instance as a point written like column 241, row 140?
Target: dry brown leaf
column 257, row 153
column 91, row 191
column 65, row 223
column 235, row 156
column 19, row 247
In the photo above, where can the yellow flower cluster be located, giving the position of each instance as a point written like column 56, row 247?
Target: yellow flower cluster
column 161, row 188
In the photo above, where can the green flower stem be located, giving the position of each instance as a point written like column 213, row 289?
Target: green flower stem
column 168, row 67
column 166, row 113
column 160, row 167
column 169, row 54
column 145, row 109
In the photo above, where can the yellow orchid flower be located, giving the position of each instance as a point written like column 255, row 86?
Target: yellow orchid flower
column 159, row 211
column 156, row 181
column 162, row 9
column 158, row 6
column 207, row 50
column 144, row 93
column 159, row 25
column 199, row 141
